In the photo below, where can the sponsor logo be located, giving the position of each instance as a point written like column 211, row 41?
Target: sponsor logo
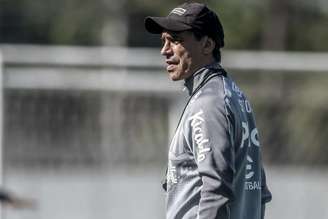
column 178, row 11
column 245, row 106
column 236, row 89
column 254, row 185
column 249, row 137
column 251, row 185
column 250, row 174
column 171, row 174
column 201, row 142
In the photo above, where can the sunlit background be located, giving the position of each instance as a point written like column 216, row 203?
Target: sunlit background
column 87, row 109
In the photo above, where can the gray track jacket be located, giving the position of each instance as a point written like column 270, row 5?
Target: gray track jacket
column 215, row 169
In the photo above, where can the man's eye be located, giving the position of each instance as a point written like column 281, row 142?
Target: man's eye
column 176, row 42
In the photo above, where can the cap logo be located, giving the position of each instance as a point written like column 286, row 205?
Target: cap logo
column 178, row 11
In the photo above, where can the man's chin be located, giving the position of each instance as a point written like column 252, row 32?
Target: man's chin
column 173, row 76
column 175, row 79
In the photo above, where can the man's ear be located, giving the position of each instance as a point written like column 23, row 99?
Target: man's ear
column 208, row 45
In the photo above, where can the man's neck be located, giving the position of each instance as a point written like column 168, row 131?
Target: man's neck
column 195, row 79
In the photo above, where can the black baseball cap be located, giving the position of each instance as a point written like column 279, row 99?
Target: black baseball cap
column 188, row 16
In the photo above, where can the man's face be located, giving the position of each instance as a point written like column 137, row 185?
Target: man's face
column 183, row 54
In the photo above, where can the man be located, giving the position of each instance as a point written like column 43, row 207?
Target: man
column 214, row 168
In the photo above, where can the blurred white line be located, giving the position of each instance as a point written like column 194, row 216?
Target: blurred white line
column 150, row 58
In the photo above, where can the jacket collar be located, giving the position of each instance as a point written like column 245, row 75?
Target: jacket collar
column 195, row 80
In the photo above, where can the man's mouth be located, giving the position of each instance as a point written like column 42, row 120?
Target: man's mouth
column 170, row 66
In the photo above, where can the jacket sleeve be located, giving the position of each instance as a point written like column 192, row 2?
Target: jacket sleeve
column 212, row 148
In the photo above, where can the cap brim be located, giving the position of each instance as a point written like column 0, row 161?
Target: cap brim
column 156, row 25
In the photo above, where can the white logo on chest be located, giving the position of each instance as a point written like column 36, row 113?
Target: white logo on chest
column 171, row 174
column 201, row 141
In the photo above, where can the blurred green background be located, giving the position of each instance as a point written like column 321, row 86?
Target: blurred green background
column 249, row 24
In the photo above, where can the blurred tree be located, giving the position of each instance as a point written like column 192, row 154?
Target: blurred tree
column 307, row 25
column 274, row 35
column 52, row 22
column 242, row 21
column 249, row 24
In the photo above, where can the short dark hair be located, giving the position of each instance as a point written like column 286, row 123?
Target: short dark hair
column 216, row 52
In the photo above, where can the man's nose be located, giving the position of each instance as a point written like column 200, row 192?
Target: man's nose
column 166, row 49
